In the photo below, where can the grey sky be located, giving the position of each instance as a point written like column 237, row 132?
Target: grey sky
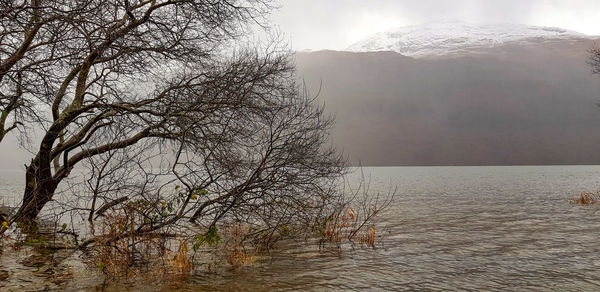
column 336, row 24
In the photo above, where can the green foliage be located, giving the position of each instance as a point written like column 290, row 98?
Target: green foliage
column 211, row 238
column 186, row 194
column 285, row 230
column 101, row 266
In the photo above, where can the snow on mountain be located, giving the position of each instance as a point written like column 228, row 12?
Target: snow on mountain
column 456, row 37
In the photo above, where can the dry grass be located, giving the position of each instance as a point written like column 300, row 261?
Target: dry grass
column 367, row 236
column 586, row 198
column 147, row 256
column 120, row 253
column 179, row 263
column 118, row 256
column 356, row 219
column 358, row 228
column 234, row 248
column 149, row 259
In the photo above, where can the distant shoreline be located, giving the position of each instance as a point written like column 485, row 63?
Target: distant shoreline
column 392, row 166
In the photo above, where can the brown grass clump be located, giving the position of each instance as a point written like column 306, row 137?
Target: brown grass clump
column 356, row 219
column 179, row 263
column 367, row 237
column 153, row 256
column 586, row 198
column 239, row 258
column 236, row 251
column 119, row 253
column 357, row 227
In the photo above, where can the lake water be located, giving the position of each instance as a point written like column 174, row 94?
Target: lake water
column 449, row 228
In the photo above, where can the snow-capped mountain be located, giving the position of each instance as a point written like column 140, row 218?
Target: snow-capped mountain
column 451, row 37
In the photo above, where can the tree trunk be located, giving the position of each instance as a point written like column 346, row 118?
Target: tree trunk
column 39, row 182
column 39, row 190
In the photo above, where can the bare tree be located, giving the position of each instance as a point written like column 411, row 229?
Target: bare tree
column 116, row 85
column 30, row 41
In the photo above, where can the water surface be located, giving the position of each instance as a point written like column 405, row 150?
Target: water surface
column 478, row 228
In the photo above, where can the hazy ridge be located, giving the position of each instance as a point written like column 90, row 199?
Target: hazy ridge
column 510, row 105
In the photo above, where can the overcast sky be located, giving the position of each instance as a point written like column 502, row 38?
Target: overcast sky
column 336, row 24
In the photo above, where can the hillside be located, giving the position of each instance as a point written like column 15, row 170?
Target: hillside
column 452, row 37
column 512, row 104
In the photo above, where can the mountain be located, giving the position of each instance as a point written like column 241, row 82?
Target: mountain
column 514, row 103
column 523, row 100
column 450, row 37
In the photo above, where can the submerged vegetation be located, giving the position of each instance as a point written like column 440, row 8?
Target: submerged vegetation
column 120, row 253
column 586, row 198
column 117, row 252
column 356, row 221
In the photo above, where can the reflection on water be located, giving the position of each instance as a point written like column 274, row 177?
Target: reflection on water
column 449, row 228
column 11, row 186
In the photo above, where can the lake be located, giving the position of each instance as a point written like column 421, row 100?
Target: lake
column 449, row 228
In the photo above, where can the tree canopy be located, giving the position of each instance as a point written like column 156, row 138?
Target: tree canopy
column 139, row 96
